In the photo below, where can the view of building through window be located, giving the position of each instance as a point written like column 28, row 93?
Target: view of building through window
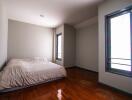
column 121, row 42
column 59, row 43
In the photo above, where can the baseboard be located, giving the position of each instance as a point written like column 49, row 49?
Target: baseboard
column 81, row 68
column 86, row 69
column 70, row 67
column 116, row 89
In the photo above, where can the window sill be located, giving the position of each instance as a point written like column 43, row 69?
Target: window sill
column 59, row 59
column 119, row 72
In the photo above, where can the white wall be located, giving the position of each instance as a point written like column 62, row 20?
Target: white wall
column 69, row 45
column 114, row 80
column 3, row 33
column 27, row 40
column 87, row 45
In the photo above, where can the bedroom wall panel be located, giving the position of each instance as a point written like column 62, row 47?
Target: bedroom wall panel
column 87, row 45
column 3, row 33
column 69, row 45
column 27, row 40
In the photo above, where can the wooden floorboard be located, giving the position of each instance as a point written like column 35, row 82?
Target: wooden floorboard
column 79, row 85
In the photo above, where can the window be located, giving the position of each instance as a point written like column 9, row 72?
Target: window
column 58, row 51
column 119, row 42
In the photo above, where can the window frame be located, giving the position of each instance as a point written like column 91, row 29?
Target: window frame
column 57, row 35
column 108, row 42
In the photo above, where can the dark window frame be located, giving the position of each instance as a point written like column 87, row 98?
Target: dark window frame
column 108, row 42
column 57, row 35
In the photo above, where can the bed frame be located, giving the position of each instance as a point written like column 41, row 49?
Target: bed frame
column 7, row 90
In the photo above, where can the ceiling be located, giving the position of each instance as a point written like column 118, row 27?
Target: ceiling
column 56, row 12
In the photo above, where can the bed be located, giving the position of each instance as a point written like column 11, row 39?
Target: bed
column 20, row 73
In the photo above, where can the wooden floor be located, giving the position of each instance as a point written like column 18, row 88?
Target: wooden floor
column 79, row 85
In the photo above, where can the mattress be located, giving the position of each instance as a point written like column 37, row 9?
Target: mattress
column 26, row 72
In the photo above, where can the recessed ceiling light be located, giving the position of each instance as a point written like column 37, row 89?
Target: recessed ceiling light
column 42, row 16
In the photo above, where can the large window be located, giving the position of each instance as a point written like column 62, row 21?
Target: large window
column 119, row 42
column 58, row 50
